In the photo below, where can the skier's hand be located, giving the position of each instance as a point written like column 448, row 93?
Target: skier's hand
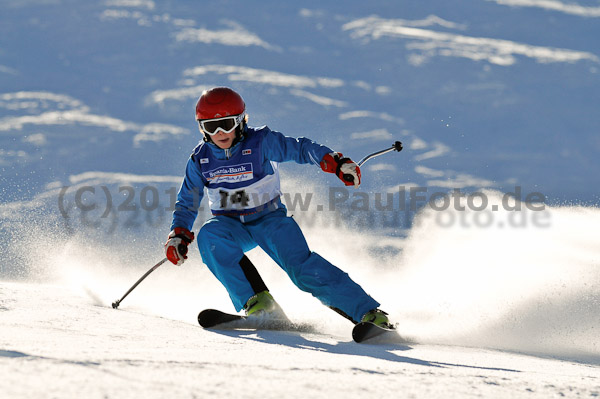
column 344, row 168
column 176, row 247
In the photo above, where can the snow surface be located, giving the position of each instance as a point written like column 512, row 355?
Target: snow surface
column 62, row 345
column 495, row 97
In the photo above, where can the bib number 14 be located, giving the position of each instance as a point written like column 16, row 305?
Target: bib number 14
column 235, row 198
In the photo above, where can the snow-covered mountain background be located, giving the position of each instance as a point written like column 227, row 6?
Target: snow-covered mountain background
column 492, row 99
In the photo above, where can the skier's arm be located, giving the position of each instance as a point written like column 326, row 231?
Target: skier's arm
column 184, row 215
column 189, row 197
column 280, row 148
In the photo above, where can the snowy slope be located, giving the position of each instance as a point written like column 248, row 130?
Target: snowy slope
column 494, row 96
column 62, row 345
column 497, row 313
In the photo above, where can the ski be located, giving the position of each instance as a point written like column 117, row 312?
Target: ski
column 209, row 318
column 216, row 319
column 362, row 332
column 365, row 331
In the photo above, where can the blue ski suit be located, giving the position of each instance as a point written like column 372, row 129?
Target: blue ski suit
column 242, row 185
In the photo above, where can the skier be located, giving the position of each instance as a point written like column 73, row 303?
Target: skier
column 238, row 166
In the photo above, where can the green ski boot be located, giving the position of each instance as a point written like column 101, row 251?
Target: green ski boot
column 377, row 317
column 263, row 304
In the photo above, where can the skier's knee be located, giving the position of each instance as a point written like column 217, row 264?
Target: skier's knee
column 315, row 271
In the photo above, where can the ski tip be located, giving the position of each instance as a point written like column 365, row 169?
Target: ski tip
column 206, row 318
column 212, row 317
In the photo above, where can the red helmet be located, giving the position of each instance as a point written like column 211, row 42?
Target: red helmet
column 218, row 103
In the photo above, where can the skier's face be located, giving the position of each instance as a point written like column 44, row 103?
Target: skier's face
column 223, row 140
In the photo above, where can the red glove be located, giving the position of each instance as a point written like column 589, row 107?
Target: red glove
column 176, row 247
column 344, row 168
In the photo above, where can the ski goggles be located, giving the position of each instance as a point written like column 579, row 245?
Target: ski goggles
column 226, row 124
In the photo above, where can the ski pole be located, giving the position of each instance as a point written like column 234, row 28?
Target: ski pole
column 397, row 146
column 116, row 303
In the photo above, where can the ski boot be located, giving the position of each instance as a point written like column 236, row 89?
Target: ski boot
column 377, row 317
column 263, row 304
